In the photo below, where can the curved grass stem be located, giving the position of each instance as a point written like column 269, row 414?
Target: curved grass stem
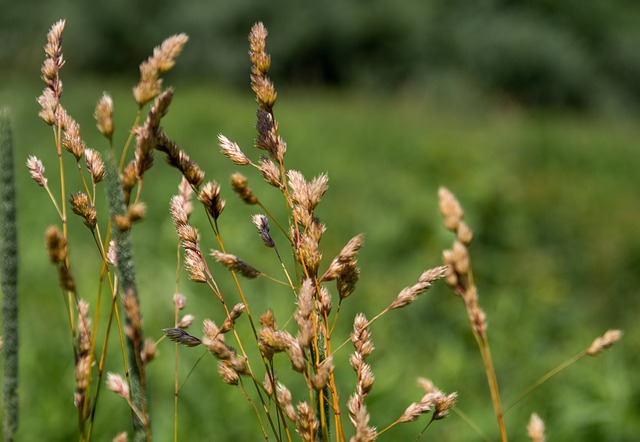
column 544, row 378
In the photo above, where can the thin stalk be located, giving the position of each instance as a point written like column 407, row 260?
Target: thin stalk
column 493, row 387
column 104, row 272
column 57, row 134
column 472, row 307
column 123, row 156
column 53, row 200
column 274, row 219
column 332, row 386
column 176, row 390
column 544, row 379
column 255, row 409
column 424, row 429
column 204, row 353
column 471, row 423
column 214, row 287
column 101, row 364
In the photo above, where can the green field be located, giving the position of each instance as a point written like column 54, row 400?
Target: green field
column 553, row 199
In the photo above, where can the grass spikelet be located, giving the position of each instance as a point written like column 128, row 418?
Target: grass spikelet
column 535, row 429
column 104, row 116
column 181, row 337
column 232, row 151
column 235, row 264
column 240, row 186
column 36, row 169
column 162, row 60
column 210, row 198
column 604, row 342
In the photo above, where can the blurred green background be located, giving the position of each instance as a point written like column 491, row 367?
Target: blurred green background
column 527, row 110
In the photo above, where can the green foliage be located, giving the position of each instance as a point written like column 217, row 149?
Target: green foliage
column 552, row 199
column 535, row 52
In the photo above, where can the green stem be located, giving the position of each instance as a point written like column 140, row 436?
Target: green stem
column 9, row 253
column 127, row 277
column 493, row 384
column 544, row 379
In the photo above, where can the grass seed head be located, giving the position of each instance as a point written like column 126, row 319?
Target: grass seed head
column 460, row 258
column 104, row 115
column 132, row 311
column 84, row 327
column 71, row 140
column 235, row 264
column 296, row 354
column 181, row 337
column 427, row 385
column 118, row 385
column 262, row 224
column 56, row 244
column 450, row 209
column 464, row 233
column 535, row 429
column 162, row 60
column 149, row 351
column 230, row 321
column 194, row 264
column 79, row 203
column 443, row 404
column 53, row 48
column 121, row 437
column 49, row 70
column 228, row 374
column 95, row 165
column 48, row 107
column 270, row 172
column 177, row 209
column 347, row 255
column 179, row 300
column 321, row 377
column 136, row 211
column 283, row 396
column 240, row 186
column 232, row 151
column 360, row 418
column 324, row 301
column 267, row 129
column 210, row 198
column 211, row 330
column 317, row 188
column 36, row 170
column 602, row 343
column 166, row 54
column 186, row 321
column 257, row 45
column 112, row 256
column 52, row 64
column 82, row 370
column 306, row 422
column 346, row 282
column 415, row 410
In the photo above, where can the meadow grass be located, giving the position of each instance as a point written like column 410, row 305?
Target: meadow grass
column 537, row 190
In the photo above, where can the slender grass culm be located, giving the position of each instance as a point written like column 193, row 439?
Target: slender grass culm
column 282, row 361
column 9, row 275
